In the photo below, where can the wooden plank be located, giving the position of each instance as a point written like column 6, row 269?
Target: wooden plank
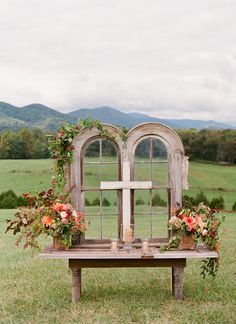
column 121, row 185
column 91, row 254
column 121, row 263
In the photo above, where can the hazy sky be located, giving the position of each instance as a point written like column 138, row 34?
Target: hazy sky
column 167, row 58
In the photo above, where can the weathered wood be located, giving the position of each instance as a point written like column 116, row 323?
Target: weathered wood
column 76, row 283
column 120, row 185
column 96, row 254
column 177, row 166
column 177, row 282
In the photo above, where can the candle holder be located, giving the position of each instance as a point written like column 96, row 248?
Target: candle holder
column 114, row 245
column 145, row 245
column 127, row 236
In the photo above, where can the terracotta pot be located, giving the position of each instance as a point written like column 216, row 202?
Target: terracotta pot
column 187, row 243
column 58, row 244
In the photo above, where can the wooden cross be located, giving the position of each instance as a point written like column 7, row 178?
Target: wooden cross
column 126, row 185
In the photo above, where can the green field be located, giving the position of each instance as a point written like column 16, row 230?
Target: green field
column 214, row 180
column 33, row 290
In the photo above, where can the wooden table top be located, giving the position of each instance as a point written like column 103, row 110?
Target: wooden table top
column 136, row 253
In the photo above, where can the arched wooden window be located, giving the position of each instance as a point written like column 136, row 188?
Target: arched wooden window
column 151, row 207
column 135, row 181
column 100, row 161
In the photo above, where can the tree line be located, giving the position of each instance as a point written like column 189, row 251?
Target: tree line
column 207, row 144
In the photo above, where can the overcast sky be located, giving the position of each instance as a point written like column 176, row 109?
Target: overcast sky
column 166, row 58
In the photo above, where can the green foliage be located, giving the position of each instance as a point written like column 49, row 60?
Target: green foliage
column 140, row 202
column 158, row 201
column 209, row 267
column 210, row 144
column 234, row 206
column 23, row 144
column 201, row 197
column 22, row 201
column 87, row 202
column 95, row 202
column 8, row 200
column 188, row 201
column 8, row 203
column 217, row 203
column 105, row 202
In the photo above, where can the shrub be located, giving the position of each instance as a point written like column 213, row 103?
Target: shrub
column 158, row 201
column 218, row 203
column 105, row 202
column 139, row 202
column 234, row 206
column 96, row 202
column 21, row 201
column 87, row 202
column 188, row 201
column 8, row 200
column 201, row 197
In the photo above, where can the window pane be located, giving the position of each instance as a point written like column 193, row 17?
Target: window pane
column 92, row 152
column 108, row 152
column 160, row 213
column 160, row 174
column 92, row 203
column 94, row 230
column 159, row 151
column 92, row 175
column 110, row 226
column 142, row 151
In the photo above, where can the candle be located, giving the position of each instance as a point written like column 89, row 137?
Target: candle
column 145, row 245
column 114, row 245
column 128, row 235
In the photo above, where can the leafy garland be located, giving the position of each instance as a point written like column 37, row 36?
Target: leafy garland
column 61, row 147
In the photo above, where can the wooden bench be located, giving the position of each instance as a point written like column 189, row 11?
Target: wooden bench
column 104, row 258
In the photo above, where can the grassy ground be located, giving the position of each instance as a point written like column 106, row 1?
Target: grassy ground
column 33, row 290
column 214, row 180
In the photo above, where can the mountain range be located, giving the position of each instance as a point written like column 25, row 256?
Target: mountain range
column 48, row 119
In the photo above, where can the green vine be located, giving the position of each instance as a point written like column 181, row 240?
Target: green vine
column 61, row 147
column 209, row 267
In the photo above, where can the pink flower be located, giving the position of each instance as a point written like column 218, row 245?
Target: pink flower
column 66, row 207
column 75, row 213
column 189, row 221
column 77, row 216
column 64, row 220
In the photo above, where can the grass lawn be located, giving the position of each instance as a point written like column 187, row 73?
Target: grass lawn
column 33, row 290
column 215, row 180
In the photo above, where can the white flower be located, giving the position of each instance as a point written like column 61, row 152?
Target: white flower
column 63, row 214
column 204, row 232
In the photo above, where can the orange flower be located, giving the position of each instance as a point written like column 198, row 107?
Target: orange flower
column 58, row 207
column 47, row 221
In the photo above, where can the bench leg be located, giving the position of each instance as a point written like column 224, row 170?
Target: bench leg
column 76, row 284
column 177, row 282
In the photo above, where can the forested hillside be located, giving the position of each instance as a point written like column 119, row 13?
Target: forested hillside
column 48, row 119
column 206, row 145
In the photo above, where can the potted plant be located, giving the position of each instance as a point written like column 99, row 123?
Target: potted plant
column 193, row 225
column 50, row 215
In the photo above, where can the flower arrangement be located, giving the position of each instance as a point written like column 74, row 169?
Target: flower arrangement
column 49, row 215
column 202, row 224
